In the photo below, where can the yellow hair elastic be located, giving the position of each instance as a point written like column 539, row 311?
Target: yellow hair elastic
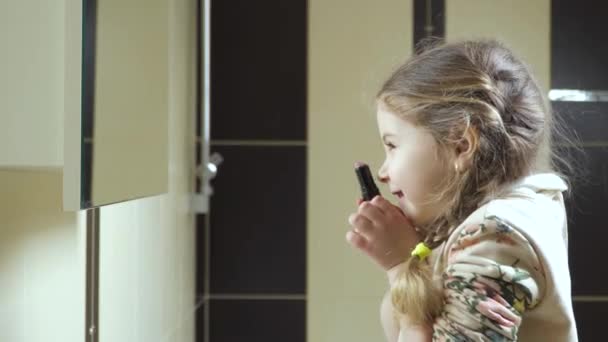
column 421, row 251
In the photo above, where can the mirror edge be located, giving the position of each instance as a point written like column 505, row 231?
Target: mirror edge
column 72, row 106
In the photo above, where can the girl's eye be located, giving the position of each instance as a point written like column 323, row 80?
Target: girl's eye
column 390, row 145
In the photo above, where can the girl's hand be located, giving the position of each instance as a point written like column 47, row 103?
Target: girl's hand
column 382, row 231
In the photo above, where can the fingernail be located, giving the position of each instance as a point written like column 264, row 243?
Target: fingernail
column 349, row 236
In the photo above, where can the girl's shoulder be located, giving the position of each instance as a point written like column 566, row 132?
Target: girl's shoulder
column 534, row 207
column 539, row 217
column 527, row 230
column 532, row 213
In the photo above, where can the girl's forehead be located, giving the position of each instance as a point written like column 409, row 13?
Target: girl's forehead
column 391, row 123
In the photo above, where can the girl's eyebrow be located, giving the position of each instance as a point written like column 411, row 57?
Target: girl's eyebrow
column 387, row 135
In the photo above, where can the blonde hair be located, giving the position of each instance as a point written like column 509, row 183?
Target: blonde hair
column 451, row 89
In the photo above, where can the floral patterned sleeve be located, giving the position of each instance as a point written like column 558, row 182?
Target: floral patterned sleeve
column 493, row 276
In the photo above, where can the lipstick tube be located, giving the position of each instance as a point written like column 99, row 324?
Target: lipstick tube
column 369, row 190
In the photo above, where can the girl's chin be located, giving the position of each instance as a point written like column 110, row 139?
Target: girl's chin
column 414, row 215
column 408, row 211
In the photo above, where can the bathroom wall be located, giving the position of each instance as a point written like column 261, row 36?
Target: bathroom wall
column 252, row 245
column 578, row 55
column 42, row 260
column 524, row 25
column 351, row 52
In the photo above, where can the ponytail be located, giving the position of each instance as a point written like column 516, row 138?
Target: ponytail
column 414, row 293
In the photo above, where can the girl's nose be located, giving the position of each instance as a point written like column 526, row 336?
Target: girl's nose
column 382, row 179
column 382, row 175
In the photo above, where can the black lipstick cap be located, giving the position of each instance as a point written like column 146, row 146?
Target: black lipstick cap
column 369, row 190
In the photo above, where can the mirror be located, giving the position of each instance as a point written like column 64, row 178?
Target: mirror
column 116, row 102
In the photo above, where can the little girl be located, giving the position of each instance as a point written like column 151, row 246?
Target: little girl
column 476, row 250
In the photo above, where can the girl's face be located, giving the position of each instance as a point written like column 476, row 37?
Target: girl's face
column 411, row 168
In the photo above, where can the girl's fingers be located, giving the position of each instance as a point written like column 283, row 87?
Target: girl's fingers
column 499, row 319
column 388, row 208
column 352, row 218
column 499, row 313
column 382, row 204
column 371, row 212
column 356, row 240
column 504, row 312
column 360, row 223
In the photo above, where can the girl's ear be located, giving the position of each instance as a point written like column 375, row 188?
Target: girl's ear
column 465, row 149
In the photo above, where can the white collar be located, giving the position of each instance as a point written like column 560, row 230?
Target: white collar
column 532, row 183
column 542, row 182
